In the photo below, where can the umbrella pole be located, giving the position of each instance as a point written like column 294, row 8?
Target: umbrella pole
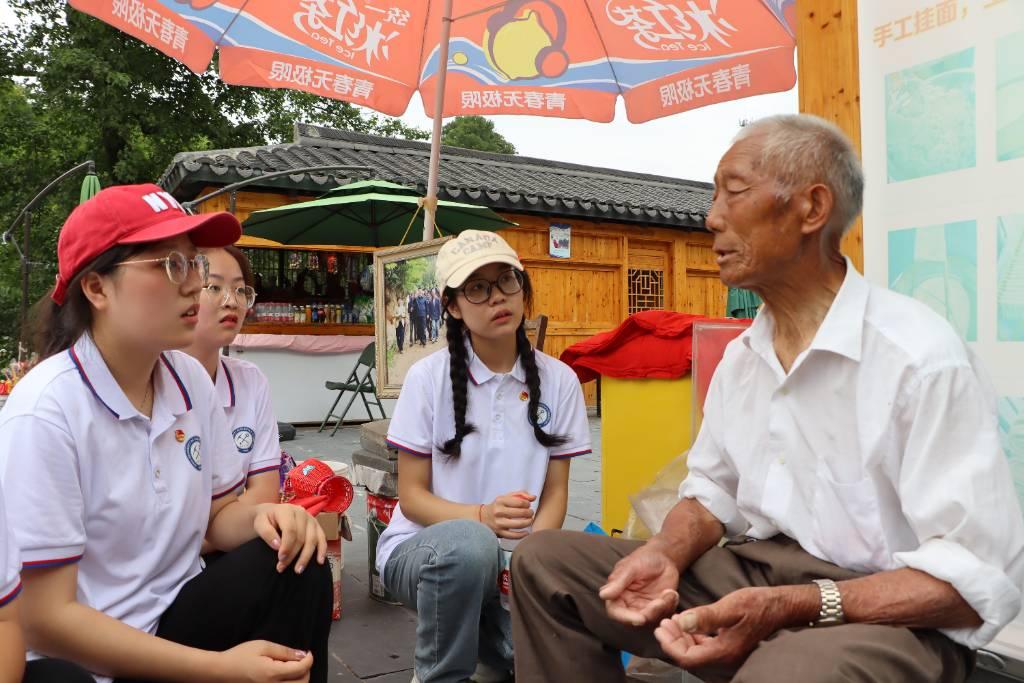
column 430, row 203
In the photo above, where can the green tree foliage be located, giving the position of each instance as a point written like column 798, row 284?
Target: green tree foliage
column 73, row 88
column 475, row 132
column 402, row 277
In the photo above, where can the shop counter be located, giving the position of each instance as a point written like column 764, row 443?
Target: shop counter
column 297, row 363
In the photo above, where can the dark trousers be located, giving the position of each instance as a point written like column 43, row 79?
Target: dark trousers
column 421, row 330
column 562, row 632
column 55, row 671
column 241, row 597
column 400, row 336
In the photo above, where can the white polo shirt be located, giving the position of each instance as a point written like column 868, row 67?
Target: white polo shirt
column 10, row 563
column 502, row 455
column 244, row 392
column 878, row 450
column 91, row 480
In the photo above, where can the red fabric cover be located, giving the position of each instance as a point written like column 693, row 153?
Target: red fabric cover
column 648, row 345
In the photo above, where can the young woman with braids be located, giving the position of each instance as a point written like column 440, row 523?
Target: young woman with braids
column 486, row 430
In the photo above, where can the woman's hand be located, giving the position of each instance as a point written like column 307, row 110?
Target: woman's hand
column 259, row 661
column 292, row 532
column 509, row 515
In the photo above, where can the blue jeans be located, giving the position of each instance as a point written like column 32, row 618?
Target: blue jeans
column 448, row 573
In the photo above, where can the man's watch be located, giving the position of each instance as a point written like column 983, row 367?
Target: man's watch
column 831, row 611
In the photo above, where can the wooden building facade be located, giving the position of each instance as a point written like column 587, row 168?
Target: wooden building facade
column 638, row 241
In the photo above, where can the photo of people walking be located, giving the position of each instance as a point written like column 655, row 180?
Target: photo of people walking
column 411, row 312
column 416, row 324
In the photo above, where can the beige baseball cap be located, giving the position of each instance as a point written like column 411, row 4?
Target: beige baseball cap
column 472, row 249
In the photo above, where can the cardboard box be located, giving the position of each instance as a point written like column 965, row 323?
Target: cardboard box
column 335, row 525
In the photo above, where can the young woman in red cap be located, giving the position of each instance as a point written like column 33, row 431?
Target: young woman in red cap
column 486, row 430
column 242, row 389
column 117, row 461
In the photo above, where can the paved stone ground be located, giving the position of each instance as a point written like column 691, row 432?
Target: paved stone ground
column 374, row 641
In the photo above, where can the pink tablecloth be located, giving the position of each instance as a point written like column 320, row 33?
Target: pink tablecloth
column 303, row 343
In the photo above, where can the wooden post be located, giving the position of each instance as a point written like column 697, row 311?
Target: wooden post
column 827, row 64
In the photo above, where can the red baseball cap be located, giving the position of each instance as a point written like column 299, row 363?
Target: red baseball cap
column 132, row 214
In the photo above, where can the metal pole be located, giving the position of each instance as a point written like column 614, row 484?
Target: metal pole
column 430, row 203
column 26, row 267
column 87, row 166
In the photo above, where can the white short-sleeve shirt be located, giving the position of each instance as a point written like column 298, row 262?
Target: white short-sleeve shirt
column 502, row 455
column 10, row 563
column 91, row 480
column 879, row 449
column 243, row 390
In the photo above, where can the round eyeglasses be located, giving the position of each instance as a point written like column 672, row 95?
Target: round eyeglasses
column 224, row 294
column 478, row 290
column 177, row 266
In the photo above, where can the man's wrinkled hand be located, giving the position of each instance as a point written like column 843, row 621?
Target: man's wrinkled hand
column 724, row 632
column 642, row 588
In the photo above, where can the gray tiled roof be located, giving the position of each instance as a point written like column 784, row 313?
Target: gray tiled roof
column 501, row 181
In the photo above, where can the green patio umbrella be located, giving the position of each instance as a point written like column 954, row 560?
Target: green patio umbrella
column 90, row 188
column 371, row 213
column 742, row 303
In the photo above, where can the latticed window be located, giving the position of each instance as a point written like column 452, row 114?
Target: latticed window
column 646, row 290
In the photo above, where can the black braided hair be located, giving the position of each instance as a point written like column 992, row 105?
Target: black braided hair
column 459, row 374
column 529, row 361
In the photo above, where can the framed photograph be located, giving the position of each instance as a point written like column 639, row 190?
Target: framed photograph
column 407, row 301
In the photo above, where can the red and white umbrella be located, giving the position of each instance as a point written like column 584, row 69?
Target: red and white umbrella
column 561, row 58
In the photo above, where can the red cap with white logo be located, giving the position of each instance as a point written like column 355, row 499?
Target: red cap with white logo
column 132, row 214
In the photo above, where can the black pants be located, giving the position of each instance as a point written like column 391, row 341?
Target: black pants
column 241, row 597
column 55, row 671
column 400, row 336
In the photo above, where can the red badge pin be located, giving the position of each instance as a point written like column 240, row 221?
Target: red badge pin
column 179, row 436
column 524, row 396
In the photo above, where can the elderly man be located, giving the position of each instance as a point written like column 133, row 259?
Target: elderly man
column 849, row 455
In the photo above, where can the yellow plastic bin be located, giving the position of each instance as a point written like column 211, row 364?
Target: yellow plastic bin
column 645, row 423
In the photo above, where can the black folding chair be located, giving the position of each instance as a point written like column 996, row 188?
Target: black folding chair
column 359, row 383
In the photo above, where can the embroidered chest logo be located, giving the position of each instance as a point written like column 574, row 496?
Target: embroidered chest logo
column 192, row 452
column 245, row 438
column 543, row 415
column 179, row 436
